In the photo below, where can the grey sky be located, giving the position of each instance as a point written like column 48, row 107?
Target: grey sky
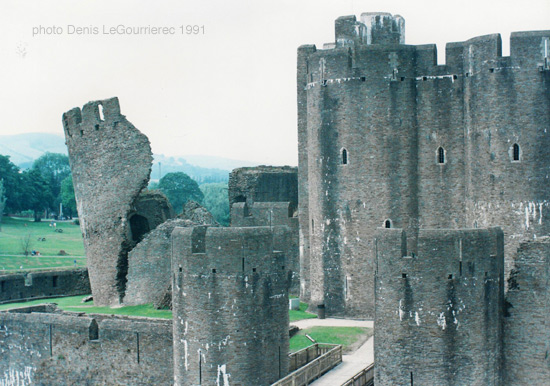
column 229, row 92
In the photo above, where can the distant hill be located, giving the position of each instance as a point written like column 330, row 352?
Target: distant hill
column 23, row 149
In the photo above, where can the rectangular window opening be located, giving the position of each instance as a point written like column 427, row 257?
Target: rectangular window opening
column 404, row 275
column 54, row 281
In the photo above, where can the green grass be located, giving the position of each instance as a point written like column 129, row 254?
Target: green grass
column 15, row 229
column 346, row 336
column 74, row 303
column 301, row 314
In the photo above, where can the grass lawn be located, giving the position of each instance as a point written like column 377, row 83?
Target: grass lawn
column 346, row 336
column 301, row 314
column 15, row 229
column 73, row 303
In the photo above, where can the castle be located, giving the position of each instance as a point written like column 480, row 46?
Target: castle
column 406, row 170
column 389, row 138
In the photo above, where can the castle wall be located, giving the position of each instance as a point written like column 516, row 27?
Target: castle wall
column 426, row 146
column 110, row 163
column 507, row 103
column 230, row 301
column 282, row 217
column 353, row 105
column 439, row 311
column 263, row 184
column 149, row 265
column 527, row 324
column 62, row 348
column 36, row 285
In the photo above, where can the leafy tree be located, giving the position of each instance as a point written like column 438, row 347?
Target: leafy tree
column 11, row 177
column 180, row 188
column 54, row 168
column 36, row 193
column 2, row 201
column 216, row 201
column 67, row 196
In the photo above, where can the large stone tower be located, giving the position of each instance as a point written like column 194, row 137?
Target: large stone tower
column 230, row 303
column 110, row 163
column 388, row 138
column 439, row 311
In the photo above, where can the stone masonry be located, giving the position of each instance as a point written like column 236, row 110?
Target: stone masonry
column 527, row 318
column 439, row 308
column 279, row 215
column 389, row 138
column 230, row 303
column 110, row 163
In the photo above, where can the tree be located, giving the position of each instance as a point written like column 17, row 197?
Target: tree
column 2, row 201
column 36, row 193
column 54, row 168
column 180, row 188
column 67, row 196
column 216, row 201
column 12, row 184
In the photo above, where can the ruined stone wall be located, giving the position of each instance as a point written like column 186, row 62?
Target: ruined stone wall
column 263, row 184
column 527, row 321
column 439, row 311
column 45, row 348
column 110, row 163
column 38, row 285
column 230, row 302
column 149, row 265
column 279, row 215
column 150, row 209
column 373, row 117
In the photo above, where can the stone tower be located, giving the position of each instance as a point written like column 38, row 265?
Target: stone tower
column 439, row 311
column 527, row 318
column 230, row 304
column 110, row 163
column 388, row 138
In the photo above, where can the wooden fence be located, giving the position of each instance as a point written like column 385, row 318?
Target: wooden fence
column 363, row 378
column 322, row 358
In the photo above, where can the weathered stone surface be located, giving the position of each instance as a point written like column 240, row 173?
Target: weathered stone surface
column 263, row 184
column 274, row 214
column 526, row 327
column 46, row 347
column 39, row 285
column 373, row 116
column 149, row 261
column 110, row 163
column 149, row 265
column 439, row 311
column 230, row 303
column 199, row 215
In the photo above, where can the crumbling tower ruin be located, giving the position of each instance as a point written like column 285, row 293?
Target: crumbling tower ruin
column 110, row 162
column 230, row 304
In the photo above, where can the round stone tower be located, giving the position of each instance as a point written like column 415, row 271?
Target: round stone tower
column 355, row 116
column 230, row 304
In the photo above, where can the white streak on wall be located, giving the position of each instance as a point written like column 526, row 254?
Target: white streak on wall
column 222, row 370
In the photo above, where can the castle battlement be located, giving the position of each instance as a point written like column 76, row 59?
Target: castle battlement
column 211, row 251
column 94, row 115
column 374, row 48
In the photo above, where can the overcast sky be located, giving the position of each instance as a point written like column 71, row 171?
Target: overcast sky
column 228, row 91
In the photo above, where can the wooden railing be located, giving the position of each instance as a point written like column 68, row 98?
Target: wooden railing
column 364, row 377
column 326, row 356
